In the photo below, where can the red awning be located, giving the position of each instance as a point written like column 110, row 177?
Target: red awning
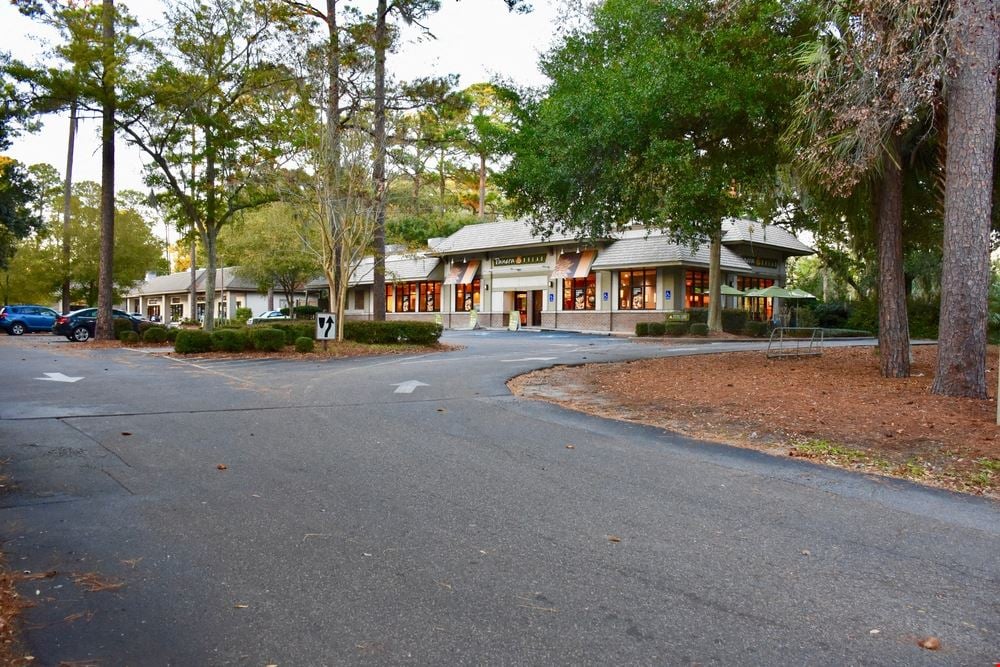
column 462, row 274
column 574, row 265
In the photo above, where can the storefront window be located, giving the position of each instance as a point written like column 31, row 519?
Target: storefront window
column 759, row 308
column 430, row 297
column 359, row 299
column 176, row 312
column 696, row 289
column 580, row 293
column 467, row 296
column 637, row 290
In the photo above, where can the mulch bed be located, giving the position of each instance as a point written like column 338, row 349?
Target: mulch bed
column 835, row 409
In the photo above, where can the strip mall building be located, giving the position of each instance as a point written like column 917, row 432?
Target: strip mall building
column 487, row 273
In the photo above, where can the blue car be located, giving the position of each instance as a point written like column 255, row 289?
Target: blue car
column 79, row 325
column 17, row 320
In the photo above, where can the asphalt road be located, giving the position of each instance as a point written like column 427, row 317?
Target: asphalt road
column 358, row 523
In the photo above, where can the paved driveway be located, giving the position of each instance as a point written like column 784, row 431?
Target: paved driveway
column 409, row 510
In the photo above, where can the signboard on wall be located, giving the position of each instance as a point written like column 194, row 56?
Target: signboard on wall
column 536, row 258
column 666, row 295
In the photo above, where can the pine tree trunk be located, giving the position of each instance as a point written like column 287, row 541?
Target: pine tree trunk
column 210, row 239
column 482, row 186
column 894, row 329
column 965, row 276
column 378, row 284
column 67, row 208
column 105, row 290
column 193, row 289
column 715, row 282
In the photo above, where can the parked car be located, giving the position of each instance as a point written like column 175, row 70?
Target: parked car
column 79, row 325
column 17, row 320
column 268, row 315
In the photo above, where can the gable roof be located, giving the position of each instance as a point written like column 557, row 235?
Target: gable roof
column 226, row 278
column 754, row 232
column 398, row 268
column 661, row 250
column 495, row 235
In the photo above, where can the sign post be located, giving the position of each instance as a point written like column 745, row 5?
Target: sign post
column 326, row 328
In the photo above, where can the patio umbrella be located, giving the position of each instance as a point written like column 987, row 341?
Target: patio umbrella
column 773, row 292
column 800, row 293
column 730, row 291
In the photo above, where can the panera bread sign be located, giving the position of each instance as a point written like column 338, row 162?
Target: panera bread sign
column 537, row 258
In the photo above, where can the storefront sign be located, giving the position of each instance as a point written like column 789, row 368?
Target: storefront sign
column 760, row 261
column 537, row 258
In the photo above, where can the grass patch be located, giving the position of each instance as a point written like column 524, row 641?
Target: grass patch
column 839, row 454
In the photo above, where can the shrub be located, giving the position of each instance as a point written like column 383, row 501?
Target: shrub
column 805, row 317
column 243, row 314
column 306, row 312
column 755, row 329
column 172, row 335
column 146, row 326
column 128, row 336
column 229, row 340
column 733, row 320
column 267, row 339
column 304, row 344
column 294, row 330
column 120, row 325
column 698, row 329
column 675, row 328
column 831, row 315
column 864, row 316
column 698, row 315
column 657, row 328
column 154, row 335
column 924, row 316
column 395, row 331
column 193, row 341
column 642, row 328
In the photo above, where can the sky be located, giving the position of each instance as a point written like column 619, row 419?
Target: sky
column 476, row 39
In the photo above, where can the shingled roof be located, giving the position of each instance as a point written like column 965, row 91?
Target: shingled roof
column 226, row 278
column 661, row 250
column 755, row 232
column 496, row 235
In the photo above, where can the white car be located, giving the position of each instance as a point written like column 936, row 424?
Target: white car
column 267, row 315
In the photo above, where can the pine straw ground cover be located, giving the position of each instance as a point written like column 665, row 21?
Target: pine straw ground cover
column 834, row 409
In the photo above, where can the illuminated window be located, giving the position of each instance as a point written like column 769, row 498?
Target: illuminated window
column 580, row 293
column 696, row 289
column 637, row 290
column 467, row 297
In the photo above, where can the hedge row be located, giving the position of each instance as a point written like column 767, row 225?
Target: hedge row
column 263, row 339
column 396, row 331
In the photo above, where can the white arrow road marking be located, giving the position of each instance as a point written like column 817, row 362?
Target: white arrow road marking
column 408, row 386
column 514, row 361
column 59, row 377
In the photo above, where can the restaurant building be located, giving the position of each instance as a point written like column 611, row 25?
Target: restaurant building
column 485, row 274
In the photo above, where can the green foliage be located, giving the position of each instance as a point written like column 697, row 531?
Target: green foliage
column 18, row 211
column 302, row 312
column 304, row 345
column 805, row 317
column 698, row 329
column 172, row 335
column 294, row 330
column 230, row 340
column 36, row 273
column 863, row 315
column 924, row 315
column 243, row 314
column 755, row 329
column 733, row 320
column 655, row 112
column 413, row 229
column 120, row 325
column 831, row 315
column 642, row 328
column 267, row 339
column 676, row 328
column 192, row 341
column 698, row 315
column 393, row 331
column 154, row 335
column 128, row 336
column 657, row 328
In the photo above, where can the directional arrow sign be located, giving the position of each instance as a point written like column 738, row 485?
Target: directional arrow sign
column 58, row 377
column 408, row 386
column 513, row 361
